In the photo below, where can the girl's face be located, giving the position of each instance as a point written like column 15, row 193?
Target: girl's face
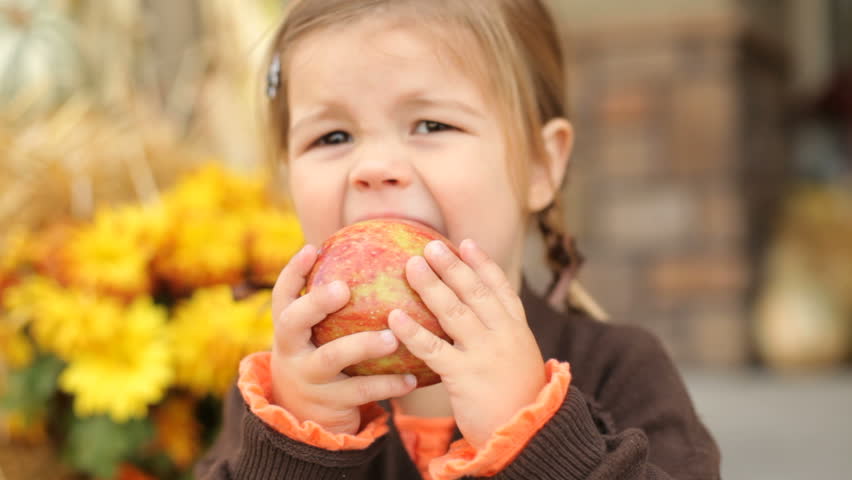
column 383, row 126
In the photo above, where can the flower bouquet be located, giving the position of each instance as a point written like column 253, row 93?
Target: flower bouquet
column 119, row 336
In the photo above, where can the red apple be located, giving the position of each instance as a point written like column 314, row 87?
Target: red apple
column 370, row 257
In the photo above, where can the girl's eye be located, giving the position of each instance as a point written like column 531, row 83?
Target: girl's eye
column 334, row 138
column 429, row 126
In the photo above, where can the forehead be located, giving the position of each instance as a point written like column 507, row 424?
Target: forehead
column 377, row 55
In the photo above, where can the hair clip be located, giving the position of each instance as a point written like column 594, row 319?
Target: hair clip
column 273, row 77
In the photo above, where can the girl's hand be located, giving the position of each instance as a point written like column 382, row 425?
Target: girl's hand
column 306, row 380
column 495, row 367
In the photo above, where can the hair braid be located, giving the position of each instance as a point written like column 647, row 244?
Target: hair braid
column 561, row 253
column 564, row 261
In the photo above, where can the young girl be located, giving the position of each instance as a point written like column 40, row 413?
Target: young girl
column 452, row 114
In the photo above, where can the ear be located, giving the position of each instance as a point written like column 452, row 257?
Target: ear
column 547, row 173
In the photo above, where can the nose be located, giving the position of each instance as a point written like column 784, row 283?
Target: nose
column 377, row 170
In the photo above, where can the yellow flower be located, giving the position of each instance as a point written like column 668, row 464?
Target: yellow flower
column 15, row 348
column 211, row 333
column 125, row 374
column 148, row 224
column 274, row 238
column 207, row 249
column 63, row 321
column 23, row 299
column 212, row 188
column 178, row 431
column 113, row 254
column 13, row 250
column 118, row 356
column 222, row 225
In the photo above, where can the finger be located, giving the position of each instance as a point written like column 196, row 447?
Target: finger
column 492, row 275
column 439, row 355
column 327, row 361
column 356, row 391
column 466, row 284
column 456, row 318
column 293, row 328
column 291, row 280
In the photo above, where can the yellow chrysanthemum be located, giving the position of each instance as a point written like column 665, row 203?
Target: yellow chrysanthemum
column 211, row 333
column 207, row 249
column 178, row 431
column 212, row 188
column 15, row 348
column 122, row 376
column 275, row 236
column 21, row 301
column 113, row 254
column 13, row 250
column 149, row 224
column 65, row 321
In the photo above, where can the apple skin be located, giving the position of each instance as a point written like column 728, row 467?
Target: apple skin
column 370, row 256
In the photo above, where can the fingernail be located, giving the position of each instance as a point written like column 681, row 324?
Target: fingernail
column 437, row 247
column 388, row 337
column 337, row 288
column 473, row 248
column 411, row 380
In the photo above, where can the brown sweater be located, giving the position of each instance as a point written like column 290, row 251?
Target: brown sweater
column 627, row 415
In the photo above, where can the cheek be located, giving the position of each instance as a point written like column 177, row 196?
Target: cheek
column 318, row 219
column 479, row 202
column 499, row 217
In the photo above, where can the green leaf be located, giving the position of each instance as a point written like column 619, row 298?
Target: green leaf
column 30, row 389
column 155, row 463
column 96, row 445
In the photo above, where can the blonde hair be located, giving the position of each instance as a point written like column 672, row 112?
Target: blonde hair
column 520, row 60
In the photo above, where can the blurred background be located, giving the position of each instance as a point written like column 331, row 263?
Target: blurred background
column 710, row 192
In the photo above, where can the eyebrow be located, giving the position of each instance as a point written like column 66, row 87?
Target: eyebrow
column 418, row 100
column 324, row 111
column 413, row 100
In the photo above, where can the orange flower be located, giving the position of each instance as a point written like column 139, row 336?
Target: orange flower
column 19, row 428
column 178, row 431
column 127, row 471
column 45, row 250
column 13, row 251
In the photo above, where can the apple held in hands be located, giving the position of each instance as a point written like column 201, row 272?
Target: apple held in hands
column 370, row 256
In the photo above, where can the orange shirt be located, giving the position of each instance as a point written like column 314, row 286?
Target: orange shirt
column 427, row 440
column 424, row 438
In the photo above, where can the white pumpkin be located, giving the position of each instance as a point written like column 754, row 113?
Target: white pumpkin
column 799, row 324
column 40, row 64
